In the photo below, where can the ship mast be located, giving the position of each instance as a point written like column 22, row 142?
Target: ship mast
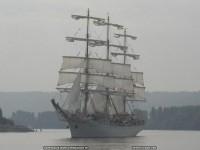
column 115, row 78
column 124, row 97
column 90, row 42
column 86, row 68
column 107, row 95
column 119, row 27
column 125, row 45
column 135, row 57
column 108, row 20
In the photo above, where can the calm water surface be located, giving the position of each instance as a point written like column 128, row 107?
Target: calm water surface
column 164, row 140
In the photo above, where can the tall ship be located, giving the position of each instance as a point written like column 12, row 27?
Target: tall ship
column 101, row 92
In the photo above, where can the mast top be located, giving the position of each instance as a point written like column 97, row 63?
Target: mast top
column 77, row 17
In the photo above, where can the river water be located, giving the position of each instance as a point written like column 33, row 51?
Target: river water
column 162, row 140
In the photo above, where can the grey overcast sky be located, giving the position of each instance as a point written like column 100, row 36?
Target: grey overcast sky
column 32, row 40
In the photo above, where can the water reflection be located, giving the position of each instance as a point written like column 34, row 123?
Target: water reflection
column 103, row 143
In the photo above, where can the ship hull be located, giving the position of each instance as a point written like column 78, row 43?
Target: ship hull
column 95, row 129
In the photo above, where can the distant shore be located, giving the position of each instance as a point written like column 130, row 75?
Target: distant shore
column 15, row 129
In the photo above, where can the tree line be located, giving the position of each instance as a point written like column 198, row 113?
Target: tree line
column 47, row 120
column 161, row 118
column 4, row 121
column 174, row 118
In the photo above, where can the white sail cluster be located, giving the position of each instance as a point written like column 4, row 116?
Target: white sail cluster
column 104, row 84
column 69, row 77
column 119, row 78
column 100, row 65
column 114, row 76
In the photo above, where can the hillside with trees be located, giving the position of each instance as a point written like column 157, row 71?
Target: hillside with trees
column 40, row 101
column 166, row 110
column 47, row 120
column 175, row 118
column 167, row 118
column 5, row 121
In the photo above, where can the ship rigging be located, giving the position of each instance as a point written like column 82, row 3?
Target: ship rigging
column 100, row 90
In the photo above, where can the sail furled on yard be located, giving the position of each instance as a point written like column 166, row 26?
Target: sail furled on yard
column 91, row 42
column 77, row 17
column 72, row 100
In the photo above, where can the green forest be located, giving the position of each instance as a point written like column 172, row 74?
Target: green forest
column 167, row 118
column 174, row 118
column 5, row 121
column 179, row 111
column 44, row 120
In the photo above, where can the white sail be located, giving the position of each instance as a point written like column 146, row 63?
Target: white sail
column 138, row 77
column 68, row 77
column 72, row 100
column 119, row 104
column 107, row 81
column 121, row 70
column 90, row 106
column 112, row 110
column 99, row 100
column 70, row 62
column 100, row 65
column 124, row 84
column 119, row 84
column 139, row 93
